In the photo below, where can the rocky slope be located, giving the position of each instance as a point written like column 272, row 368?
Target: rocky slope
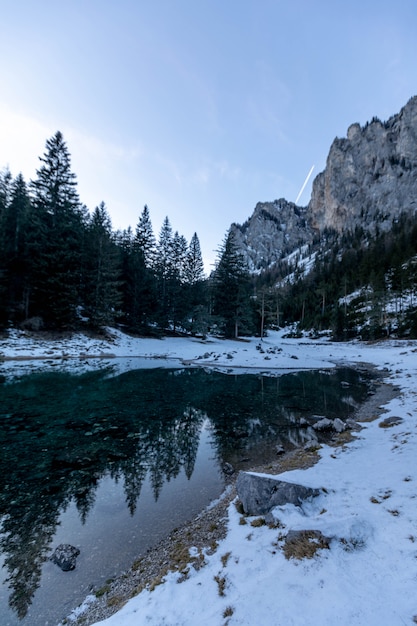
column 369, row 179
column 274, row 230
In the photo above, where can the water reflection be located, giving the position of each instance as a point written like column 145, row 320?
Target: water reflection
column 61, row 433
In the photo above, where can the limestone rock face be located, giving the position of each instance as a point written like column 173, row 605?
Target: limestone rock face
column 274, row 230
column 370, row 176
column 369, row 179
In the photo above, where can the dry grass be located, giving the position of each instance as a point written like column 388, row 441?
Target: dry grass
column 305, row 544
column 352, row 544
column 276, row 523
column 239, row 507
column 225, row 558
column 299, row 459
column 256, row 523
column 341, row 439
column 116, row 602
column 221, row 585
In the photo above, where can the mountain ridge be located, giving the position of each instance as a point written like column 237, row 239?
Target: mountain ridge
column 370, row 178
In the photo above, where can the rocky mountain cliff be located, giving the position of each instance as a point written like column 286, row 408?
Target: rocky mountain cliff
column 274, row 230
column 370, row 177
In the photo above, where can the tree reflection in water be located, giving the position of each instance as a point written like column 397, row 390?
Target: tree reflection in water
column 61, row 433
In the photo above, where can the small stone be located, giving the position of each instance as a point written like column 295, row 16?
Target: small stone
column 323, row 424
column 65, row 556
column 228, row 469
column 338, row 425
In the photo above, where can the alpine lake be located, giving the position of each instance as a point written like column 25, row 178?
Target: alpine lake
column 111, row 460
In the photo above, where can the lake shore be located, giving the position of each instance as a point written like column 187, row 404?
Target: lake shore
column 202, row 534
column 363, row 469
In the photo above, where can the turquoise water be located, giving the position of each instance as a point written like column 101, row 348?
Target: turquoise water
column 112, row 463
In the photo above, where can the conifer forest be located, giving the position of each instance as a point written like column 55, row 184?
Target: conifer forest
column 64, row 268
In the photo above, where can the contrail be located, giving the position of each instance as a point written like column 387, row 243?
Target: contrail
column 304, row 184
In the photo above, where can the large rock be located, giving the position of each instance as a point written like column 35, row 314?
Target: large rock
column 259, row 494
column 328, row 424
column 65, row 556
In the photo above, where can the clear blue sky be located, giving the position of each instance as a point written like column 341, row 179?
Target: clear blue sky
column 197, row 108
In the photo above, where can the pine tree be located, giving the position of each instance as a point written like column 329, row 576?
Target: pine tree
column 5, row 190
column 164, row 263
column 17, row 263
column 5, row 185
column 163, row 270
column 177, row 292
column 196, row 289
column 139, row 286
column 194, row 267
column 102, row 271
column 231, row 291
column 56, row 236
column 179, row 256
column 145, row 238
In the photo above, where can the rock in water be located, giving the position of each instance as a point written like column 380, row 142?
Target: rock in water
column 65, row 556
column 259, row 494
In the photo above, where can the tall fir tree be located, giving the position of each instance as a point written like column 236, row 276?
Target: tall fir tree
column 139, row 286
column 5, row 190
column 17, row 262
column 163, row 271
column 179, row 256
column 196, row 289
column 145, row 238
column 177, row 292
column 231, row 291
column 5, row 187
column 56, row 237
column 164, row 262
column 194, row 267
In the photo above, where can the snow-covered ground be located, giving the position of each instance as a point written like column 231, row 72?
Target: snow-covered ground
column 368, row 505
column 24, row 352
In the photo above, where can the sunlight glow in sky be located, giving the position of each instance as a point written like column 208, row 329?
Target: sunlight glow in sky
column 197, row 109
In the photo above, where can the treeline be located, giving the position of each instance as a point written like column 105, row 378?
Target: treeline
column 63, row 267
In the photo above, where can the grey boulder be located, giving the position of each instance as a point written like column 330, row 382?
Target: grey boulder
column 259, row 494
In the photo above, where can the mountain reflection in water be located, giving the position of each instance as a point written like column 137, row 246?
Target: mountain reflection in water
column 62, row 433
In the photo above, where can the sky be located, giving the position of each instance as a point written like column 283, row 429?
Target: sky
column 197, row 109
